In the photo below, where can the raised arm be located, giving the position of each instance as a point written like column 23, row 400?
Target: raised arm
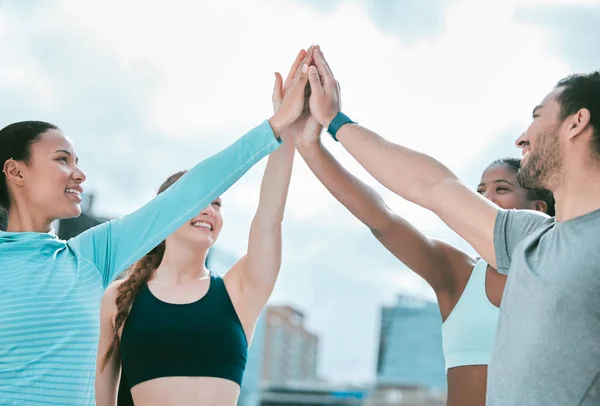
column 254, row 277
column 432, row 259
column 414, row 176
column 115, row 245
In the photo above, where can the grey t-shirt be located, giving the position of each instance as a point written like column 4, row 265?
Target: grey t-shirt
column 547, row 346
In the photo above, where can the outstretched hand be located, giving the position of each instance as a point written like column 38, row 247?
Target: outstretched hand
column 290, row 97
column 306, row 129
column 325, row 101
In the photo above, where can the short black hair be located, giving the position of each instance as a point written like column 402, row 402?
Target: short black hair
column 582, row 91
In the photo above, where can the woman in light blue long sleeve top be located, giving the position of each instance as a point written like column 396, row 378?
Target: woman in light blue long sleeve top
column 50, row 289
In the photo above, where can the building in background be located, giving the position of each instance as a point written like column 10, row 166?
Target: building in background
column 283, row 353
column 401, row 395
column 410, row 346
column 290, row 353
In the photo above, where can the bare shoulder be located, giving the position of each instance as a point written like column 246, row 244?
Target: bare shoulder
column 109, row 298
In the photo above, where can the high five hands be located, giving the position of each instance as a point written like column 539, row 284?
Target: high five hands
column 301, row 109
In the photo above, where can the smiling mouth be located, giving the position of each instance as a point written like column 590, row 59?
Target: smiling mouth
column 75, row 193
column 203, row 225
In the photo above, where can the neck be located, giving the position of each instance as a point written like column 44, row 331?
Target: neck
column 579, row 191
column 21, row 219
column 181, row 264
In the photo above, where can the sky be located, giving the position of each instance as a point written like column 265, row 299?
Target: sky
column 147, row 88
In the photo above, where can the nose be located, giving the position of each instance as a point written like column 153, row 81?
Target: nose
column 79, row 175
column 208, row 210
column 522, row 140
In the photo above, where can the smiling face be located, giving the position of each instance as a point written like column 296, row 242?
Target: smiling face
column 542, row 162
column 203, row 230
column 50, row 184
column 499, row 185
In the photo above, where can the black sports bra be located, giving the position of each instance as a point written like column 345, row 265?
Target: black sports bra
column 203, row 338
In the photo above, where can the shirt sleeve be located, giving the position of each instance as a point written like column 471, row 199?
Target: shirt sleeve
column 511, row 227
column 115, row 245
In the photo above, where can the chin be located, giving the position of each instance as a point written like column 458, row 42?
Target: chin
column 198, row 241
column 72, row 212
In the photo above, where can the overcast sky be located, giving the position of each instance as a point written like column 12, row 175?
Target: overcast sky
column 146, row 88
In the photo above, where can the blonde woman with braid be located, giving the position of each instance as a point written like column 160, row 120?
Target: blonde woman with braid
column 179, row 332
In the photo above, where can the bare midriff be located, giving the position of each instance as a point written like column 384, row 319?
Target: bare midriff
column 467, row 385
column 186, row 391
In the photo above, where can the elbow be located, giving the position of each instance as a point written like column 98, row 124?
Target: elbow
column 380, row 221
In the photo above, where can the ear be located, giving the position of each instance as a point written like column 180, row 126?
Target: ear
column 12, row 171
column 541, row 205
column 578, row 122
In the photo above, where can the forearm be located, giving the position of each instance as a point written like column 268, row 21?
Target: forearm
column 264, row 242
column 410, row 174
column 274, row 187
column 360, row 199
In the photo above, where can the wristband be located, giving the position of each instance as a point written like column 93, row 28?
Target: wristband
column 339, row 120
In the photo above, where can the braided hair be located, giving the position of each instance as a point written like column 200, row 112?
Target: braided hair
column 136, row 277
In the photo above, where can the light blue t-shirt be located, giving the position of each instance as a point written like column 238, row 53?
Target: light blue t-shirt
column 50, row 290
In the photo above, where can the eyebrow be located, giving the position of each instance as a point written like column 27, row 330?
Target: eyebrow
column 497, row 181
column 64, row 151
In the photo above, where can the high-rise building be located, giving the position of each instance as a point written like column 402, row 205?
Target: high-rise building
column 282, row 352
column 290, row 352
column 410, row 345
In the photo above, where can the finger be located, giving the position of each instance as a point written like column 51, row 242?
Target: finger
column 322, row 69
column 299, row 58
column 277, row 88
column 303, row 79
column 319, row 53
column 322, row 63
column 310, row 54
column 315, row 79
column 307, row 59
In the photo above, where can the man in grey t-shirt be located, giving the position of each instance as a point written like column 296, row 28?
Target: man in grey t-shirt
column 547, row 349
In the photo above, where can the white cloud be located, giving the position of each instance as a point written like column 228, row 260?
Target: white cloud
column 447, row 96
